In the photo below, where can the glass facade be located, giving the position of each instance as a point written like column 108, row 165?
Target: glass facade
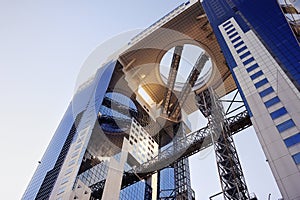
column 45, row 176
column 167, row 182
column 50, row 157
column 275, row 34
column 139, row 191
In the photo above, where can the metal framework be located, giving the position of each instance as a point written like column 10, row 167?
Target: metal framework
column 230, row 172
column 189, row 84
column 218, row 133
column 183, row 189
column 188, row 145
column 292, row 16
column 172, row 78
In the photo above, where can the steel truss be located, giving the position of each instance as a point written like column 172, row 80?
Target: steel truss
column 189, row 84
column 172, row 78
column 188, row 145
column 183, row 189
column 230, row 172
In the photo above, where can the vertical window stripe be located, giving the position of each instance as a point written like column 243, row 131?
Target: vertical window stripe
column 252, row 67
column 246, row 62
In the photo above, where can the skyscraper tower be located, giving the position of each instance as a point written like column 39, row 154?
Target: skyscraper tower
column 263, row 55
column 127, row 135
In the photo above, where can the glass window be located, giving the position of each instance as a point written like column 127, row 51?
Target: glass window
column 272, row 101
column 228, row 27
column 246, row 62
column 295, row 139
column 256, row 75
column 261, row 83
column 253, row 67
column 285, row 125
column 241, row 49
column 278, row 113
column 231, row 31
column 236, row 39
column 245, row 55
column 238, row 44
column 231, row 36
column 227, row 23
column 266, row 92
column 296, row 158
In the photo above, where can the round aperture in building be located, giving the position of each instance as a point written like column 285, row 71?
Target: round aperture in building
column 188, row 61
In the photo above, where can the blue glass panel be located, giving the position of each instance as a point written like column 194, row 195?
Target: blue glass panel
column 278, row 113
column 272, row 101
column 231, row 31
column 256, row 75
column 241, row 49
column 238, row 44
column 261, row 83
column 296, row 158
column 295, row 139
column 231, row 36
column 246, row 62
column 245, row 55
column 266, row 92
column 285, row 125
column 276, row 35
column 236, row 39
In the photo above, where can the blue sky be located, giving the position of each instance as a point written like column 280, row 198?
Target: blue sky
column 43, row 46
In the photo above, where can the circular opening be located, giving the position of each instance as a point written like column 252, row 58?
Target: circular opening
column 189, row 56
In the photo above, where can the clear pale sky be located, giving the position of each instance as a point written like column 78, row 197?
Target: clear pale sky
column 42, row 47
